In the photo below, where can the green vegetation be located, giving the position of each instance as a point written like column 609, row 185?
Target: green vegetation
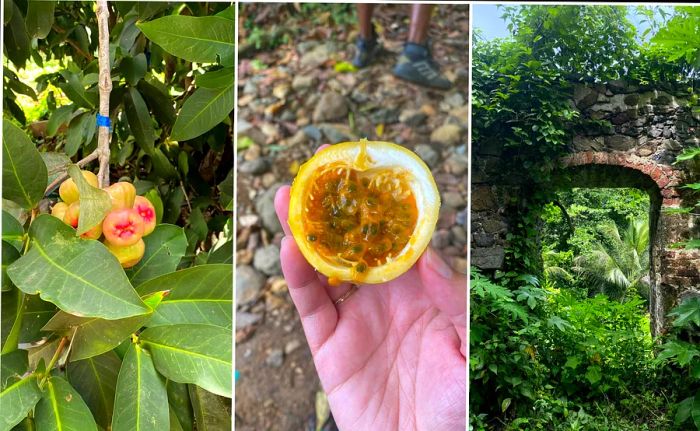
column 560, row 340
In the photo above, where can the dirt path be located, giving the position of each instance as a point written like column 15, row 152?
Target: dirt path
column 293, row 98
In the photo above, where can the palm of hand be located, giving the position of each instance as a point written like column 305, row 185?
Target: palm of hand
column 393, row 361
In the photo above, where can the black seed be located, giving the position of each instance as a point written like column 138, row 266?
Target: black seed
column 311, row 237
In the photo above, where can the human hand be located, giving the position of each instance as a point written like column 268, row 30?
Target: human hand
column 390, row 356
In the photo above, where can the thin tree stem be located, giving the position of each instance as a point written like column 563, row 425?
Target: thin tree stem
column 61, row 178
column 105, row 86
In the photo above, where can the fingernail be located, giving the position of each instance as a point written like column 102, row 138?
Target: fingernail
column 437, row 264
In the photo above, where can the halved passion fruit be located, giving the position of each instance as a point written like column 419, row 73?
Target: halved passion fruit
column 363, row 211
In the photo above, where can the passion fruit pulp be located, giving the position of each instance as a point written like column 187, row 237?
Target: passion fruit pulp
column 363, row 211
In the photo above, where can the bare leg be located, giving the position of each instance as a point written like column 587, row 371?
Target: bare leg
column 364, row 14
column 420, row 22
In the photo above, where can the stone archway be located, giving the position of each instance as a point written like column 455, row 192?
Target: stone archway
column 672, row 271
column 630, row 136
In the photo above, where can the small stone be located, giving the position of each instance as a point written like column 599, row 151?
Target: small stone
column 454, row 199
column 331, row 106
column 253, row 152
column 254, row 167
column 441, row 239
column 268, row 179
column 265, row 207
column 620, row 142
column 245, row 319
column 249, row 282
column 315, row 57
column 428, row 154
column 291, row 346
column 248, row 220
column 302, row 82
column 455, row 100
column 299, row 138
column 267, row 260
column 461, row 114
column 448, row 134
column 460, row 265
column 333, row 134
column 312, row 132
column 412, row 117
column 459, row 234
column 281, row 91
column 457, row 164
column 275, row 358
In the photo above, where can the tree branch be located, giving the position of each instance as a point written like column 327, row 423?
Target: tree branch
column 61, row 178
column 105, row 86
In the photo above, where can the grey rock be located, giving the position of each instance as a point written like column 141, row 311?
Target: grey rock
column 428, row 154
column 447, row 134
column 302, row 82
column 291, row 346
column 267, row 260
column 455, row 100
column 315, row 57
column 265, row 207
column 412, row 117
column 312, row 132
column 586, row 143
column 457, row 164
column 275, row 358
column 441, row 239
column 244, row 319
column 249, row 283
column 620, row 142
column 488, row 258
column 254, row 167
column 333, row 134
column 459, row 234
column 483, row 240
column 331, row 106
column 454, row 200
column 584, row 96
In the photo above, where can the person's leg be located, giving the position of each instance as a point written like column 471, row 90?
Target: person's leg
column 416, row 63
column 364, row 15
column 367, row 46
column 420, row 22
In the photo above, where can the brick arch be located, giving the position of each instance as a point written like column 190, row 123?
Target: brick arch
column 673, row 272
column 664, row 176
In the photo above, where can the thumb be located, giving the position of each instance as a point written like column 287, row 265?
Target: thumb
column 447, row 290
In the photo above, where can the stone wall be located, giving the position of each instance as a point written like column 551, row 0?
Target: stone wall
column 631, row 137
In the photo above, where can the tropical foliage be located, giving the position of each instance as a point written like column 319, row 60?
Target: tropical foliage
column 87, row 344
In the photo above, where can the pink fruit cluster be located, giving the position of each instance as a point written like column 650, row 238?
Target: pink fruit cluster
column 130, row 219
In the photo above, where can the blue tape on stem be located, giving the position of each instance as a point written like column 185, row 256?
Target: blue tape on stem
column 103, row 121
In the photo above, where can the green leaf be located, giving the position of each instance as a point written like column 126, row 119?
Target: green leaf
column 95, row 203
column 24, row 173
column 133, row 69
column 179, row 400
column 688, row 154
column 696, row 411
column 16, row 401
column 201, row 294
column 572, row 362
column 198, row 354
column 62, row 408
column 505, row 404
column 223, row 254
column 165, row 246
column 16, row 42
column 161, row 164
column 12, row 366
column 12, row 230
column 92, row 336
column 80, row 276
column 56, row 164
column 75, row 91
column 196, row 39
column 141, row 401
column 158, row 101
column 35, row 314
column 687, row 312
column 76, row 133
column 211, row 412
column 9, row 255
column 593, row 374
column 216, row 79
column 95, row 379
column 39, row 18
column 59, row 117
column 203, row 110
column 139, row 120
column 226, row 192
column 10, row 302
column 684, row 410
